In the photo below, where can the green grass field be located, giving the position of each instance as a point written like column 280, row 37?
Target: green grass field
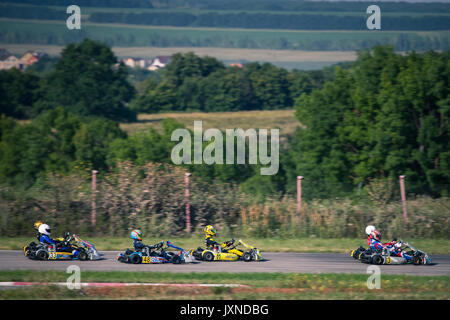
column 345, row 245
column 56, row 33
column 261, row 286
column 283, row 119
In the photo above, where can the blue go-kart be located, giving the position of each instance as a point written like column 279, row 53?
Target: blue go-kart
column 155, row 254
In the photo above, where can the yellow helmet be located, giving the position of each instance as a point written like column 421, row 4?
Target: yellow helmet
column 37, row 224
column 209, row 230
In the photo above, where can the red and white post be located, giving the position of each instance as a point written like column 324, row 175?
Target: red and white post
column 403, row 195
column 299, row 193
column 94, row 189
column 188, row 205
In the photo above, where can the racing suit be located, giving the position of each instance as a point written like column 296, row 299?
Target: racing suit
column 210, row 243
column 45, row 239
column 377, row 245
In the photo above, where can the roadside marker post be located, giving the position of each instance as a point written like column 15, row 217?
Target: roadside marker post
column 94, row 189
column 403, row 195
column 188, row 205
column 299, row 193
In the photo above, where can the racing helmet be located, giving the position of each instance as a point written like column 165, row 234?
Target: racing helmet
column 136, row 235
column 37, row 224
column 372, row 232
column 45, row 229
column 209, row 230
column 376, row 235
column 370, row 229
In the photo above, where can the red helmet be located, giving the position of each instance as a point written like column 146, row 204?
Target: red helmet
column 376, row 235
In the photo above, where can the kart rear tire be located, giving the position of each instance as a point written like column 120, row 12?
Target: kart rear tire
column 377, row 259
column 247, row 257
column 208, row 256
column 42, row 255
column 135, row 259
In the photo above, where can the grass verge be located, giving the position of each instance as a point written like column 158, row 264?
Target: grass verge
column 274, row 286
column 342, row 245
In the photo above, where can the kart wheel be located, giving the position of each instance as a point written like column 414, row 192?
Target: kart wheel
column 417, row 260
column 247, row 257
column 135, row 259
column 176, row 259
column 82, row 255
column 377, row 259
column 208, row 256
column 42, row 255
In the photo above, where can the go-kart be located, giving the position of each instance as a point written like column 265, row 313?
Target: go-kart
column 155, row 254
column 386, row 255
column 62, row 250
column 229, row 253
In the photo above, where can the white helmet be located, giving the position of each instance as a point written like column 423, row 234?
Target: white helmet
column 370, row 229
column 44, row 229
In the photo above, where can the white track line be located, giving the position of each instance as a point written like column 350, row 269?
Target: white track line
column 120, row 284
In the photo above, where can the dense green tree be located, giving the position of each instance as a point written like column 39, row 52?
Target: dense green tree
column 55, row 141
column 18, row 93
column 385, row 117
column 86, row 82
column 192, row 83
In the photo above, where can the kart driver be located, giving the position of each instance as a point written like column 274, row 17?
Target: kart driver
column 45, row 232
column 36, row 227
column 374, row 242
column 210, row 232
column 136, row 235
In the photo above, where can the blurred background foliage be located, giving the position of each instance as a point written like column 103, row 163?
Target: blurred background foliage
column 360, row 126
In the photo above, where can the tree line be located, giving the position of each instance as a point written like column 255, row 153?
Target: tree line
column 85, row 79
column 402, row 41
column 296, row 21
column 254, row 20
column 387, row 116
column 192, row 83
column 383, row 116
column 249, row 5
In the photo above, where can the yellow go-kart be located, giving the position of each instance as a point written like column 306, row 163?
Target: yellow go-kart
column 229, row 252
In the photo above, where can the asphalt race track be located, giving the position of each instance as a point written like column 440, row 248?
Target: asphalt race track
column 276, row 262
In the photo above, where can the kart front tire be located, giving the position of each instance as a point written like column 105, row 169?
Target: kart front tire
column 82, row 255
column 247, row 257
column 176, row 259
column 208, row 256
column 377, row 259
column 417, row 260
column 135, row 259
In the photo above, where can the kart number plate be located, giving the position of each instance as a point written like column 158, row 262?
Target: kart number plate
column 52, row 256
column 388, row 260
column 147, row 259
